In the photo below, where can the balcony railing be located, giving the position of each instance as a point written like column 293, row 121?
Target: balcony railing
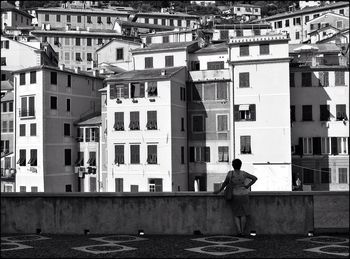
column 206, row 75
column 26, row 113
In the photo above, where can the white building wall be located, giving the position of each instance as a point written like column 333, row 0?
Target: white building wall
column 180, row 58
column 204, row 58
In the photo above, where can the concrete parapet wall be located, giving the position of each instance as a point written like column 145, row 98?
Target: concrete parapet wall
column 171, row 213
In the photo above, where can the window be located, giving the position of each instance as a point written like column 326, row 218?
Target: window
column 292, row 113
column 163, row 22
column 245, row 145
column 118, row 184
column 287, row 23
column 221, row 91
column 77, row 41
column 88, row 18
column 169, row 61
column 155, row 185
column 307, row 146
column 245, row 112
column 5, row 148
column 339, row 78
column 68, row 188
column 57, row 41
column 296, row 21
column 53, row 78
column 3, row 61
column 27, row 106
column 152, row 154
column 325, row 146
column 11, row 126
column 264, row 49
column 79, row 18
column 67, row 157
column 155, row 21
column 134, row 154
column 149, row 62
column 33, row 157
column 137, row 90
column 308, row 176
column 222, row 122
column 341, row 145
column 87, row 135
column 244, row 80
column 67, row 56
column 244, row 50
column 99, row 41
column 58, row 18
column 69, row 81
column 197, row 123
column 325, row 175
column 22, row 130
column 307, row 112
column 78, row 56
column 22, row 79
column 53, row 102
column 119, row 154
column 119, row 121
column 22, row 189
column 22, row 157
column 146, row 20
column 165, row 39
column 239, row 33
column 11, row 106
column 307, row 18
column 179, row 22
column 171, row 21
column 134, row 121
column 66, row 129
column 343, row 175
column 215, row 65
column 223, row 34
column 33, row 77
column 46, row 18
column 195, row 65
column 323, row 78
column 4, row 107
column 341, row 11
column 291, row 80
column 278, row 24
column 109, row 20
column 182, row 155
column 223, row 153
column 306, row 79
column 316, row 145
column 80, row 136
column 33, row 129
column 88, row 41
column 119, row 91
column 89, row 56
column 182, row 124
column 324, row 112
column 5, row 44
column 341, row 112
column 148, row 40
column 92, row 159
column 4, row 126
column 199, row 154
column 297, row 35
column 151, row 120
column 68, row 18
column 120, row 54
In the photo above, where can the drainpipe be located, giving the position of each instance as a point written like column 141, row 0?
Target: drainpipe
column 15, row 130
column 187, row 140
column 232, row 109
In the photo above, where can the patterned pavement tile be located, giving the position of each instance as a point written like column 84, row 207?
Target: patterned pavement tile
column 118, row 239
column 222, row 240
column 331, row 249
column 219, row 250
column 23, row 238
column 11, row 246
column 325, row 240
column 104, row 248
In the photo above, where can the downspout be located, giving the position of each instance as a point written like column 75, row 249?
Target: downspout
column 99, row 153
column 187, row 139
column 15, row 131
column 233, row 108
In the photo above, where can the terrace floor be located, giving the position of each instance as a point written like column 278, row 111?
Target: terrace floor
column 174, row 246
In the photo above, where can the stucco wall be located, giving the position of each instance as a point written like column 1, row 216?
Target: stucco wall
column 171, row 213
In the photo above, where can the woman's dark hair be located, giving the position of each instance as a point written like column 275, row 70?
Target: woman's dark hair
column 237, row 163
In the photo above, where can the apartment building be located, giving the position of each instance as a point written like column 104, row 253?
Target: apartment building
column 164, row 55
column 76, row 47
column 319, row 87
column 223, row 32
column 146, row 132
column 260, row 115
column 134, row 29
column 325, row 26
column 12, row 16
column 246, row 12
column 117, row 53
column 48, row 100
column 209, row 123
column 94, row 18
column 295, row 23
column 172, row 19
column 169, row 36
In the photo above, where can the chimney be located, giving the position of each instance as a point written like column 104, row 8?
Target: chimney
column 77, row 70
column 163, row 72
column 61, row 66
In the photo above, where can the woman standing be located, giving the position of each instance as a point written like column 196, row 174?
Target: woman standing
column 240, row 200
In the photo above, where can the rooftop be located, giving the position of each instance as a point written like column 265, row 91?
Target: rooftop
column 320, row 48
column 6, row 85
column 145, row 25
column 135, row 41
column 220, row 47
column 176, row 14
column 145, row 74
column 168, row 32
column 306, row 11
column 93, row 119
column 7, row 97
column 166, row 46
column 243, row 26
column 5, row 6
column 86, row 10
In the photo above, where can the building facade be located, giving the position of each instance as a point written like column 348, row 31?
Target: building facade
column 319, row 116
column 48, row 102
column 12, row 16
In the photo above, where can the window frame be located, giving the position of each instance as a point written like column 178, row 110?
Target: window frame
column 192, row 124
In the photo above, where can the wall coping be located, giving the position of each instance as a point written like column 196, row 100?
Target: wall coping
column 168, row 194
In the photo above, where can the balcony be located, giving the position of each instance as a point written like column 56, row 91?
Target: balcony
column 210, row 75
column 8, row 174
column 25, row 113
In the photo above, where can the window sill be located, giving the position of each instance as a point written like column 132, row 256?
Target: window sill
column 27, row 118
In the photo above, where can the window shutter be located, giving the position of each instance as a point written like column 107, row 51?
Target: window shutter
column 321, row 78
column 252, row 112
column 334, row 146
column 191, row 154
column 126, row 91
column 236, row 112
column 142, row 90
column 300, row 148
column 202, row 157
column 244, row 79
column 112, row 92
column 31, row 106
column 325, row 78
column 291, row 80
column 316, row 145
column 207, row 154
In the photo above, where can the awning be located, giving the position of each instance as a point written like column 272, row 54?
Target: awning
column 244, row 107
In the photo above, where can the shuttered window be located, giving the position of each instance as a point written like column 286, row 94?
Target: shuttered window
column 341, row 112
column 119, row 184
column 92, row 159
column 119, row 154
column 134, row 154
column 324, row 112
column 221, row 91
column 307, row 112
column 80, row 159
column 244, row 80
column 323, row 78
column 306, row 79
column 245, row 112
column 137, row 90
column 149, row 62
column 134, row 121
column 152, row 89
column 33, row 157
column 223, row 154
column 244, row 50
column 197, row 123
column 152, row 154
column 22, row 130
column 22, row 79
column 33, row 77
column 169, row 61
column 223, row 34
column 151, row 120
column 264, row 49
column 215, row 65
column 222, row 122
column 118, row 121
column 22, row 157
column 245, row 145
